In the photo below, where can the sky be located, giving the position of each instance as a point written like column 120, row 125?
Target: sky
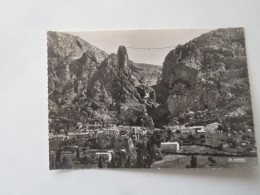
column 109, row 41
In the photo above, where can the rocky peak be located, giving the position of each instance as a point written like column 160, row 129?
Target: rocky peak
column 206, row 73
column 122, row 57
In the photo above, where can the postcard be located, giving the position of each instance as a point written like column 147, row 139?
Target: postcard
column 169, row 98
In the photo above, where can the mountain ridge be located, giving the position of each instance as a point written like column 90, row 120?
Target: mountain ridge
column 87, row 84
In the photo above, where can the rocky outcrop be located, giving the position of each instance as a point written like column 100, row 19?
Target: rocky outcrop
column 208, row 73
column 114, row 79
column 87, row 84
column 71, row 62
column 183, row 64
column 114, row 87
column 122, row 57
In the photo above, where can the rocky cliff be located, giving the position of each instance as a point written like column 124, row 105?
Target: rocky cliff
column 114, row 87
column 87, row 84
column 208, row 74
column 71, row 62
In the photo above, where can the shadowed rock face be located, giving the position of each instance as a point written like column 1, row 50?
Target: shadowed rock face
column 209, row 72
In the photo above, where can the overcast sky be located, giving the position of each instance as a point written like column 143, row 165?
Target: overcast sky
column 109, row 42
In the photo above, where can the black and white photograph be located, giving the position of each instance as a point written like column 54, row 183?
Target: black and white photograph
column 163, row 98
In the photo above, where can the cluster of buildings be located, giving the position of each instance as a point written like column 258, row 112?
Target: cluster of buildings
column 96, row 130
column 209, row 128
column 211, row 134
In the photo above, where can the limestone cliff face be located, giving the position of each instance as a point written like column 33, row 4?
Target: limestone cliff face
column 71, row 62
column 113, row 86
column 85, row 83
column 183, row 64
column 207, row 73
column 113, row 79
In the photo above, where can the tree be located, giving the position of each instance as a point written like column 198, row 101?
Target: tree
column 112, row 162
column 193, row 162
column 149, row 122
column 100, row 162
column 128, row 162
column 58, row 156
column 77, row 155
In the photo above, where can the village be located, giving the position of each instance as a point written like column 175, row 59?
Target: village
column 100, row 145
